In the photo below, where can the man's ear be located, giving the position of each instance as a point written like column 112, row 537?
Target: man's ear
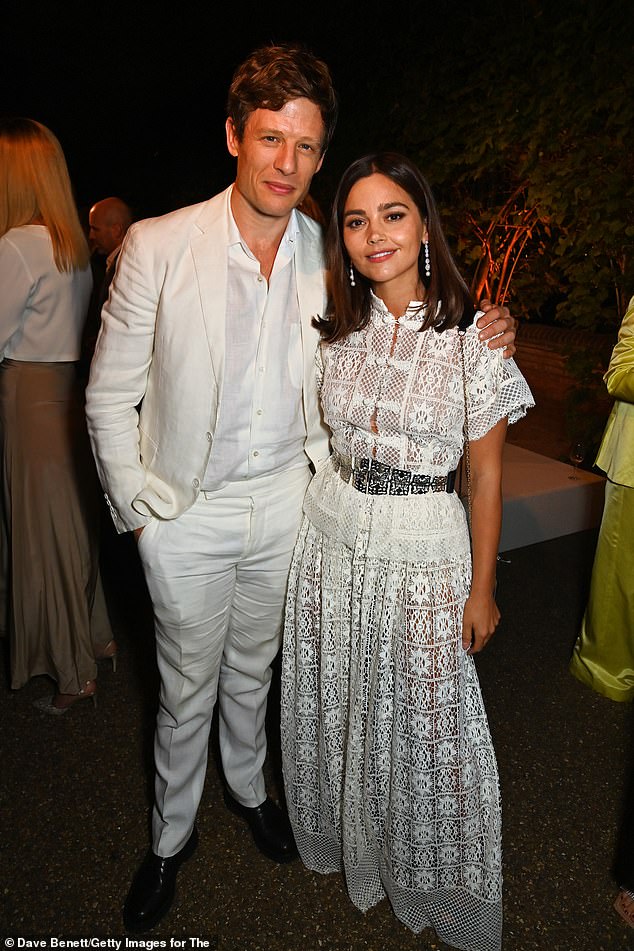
column 232, row 137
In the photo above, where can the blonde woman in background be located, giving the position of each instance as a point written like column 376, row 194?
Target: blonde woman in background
column 55, row 611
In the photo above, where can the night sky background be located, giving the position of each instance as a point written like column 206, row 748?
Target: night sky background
column 136, row 92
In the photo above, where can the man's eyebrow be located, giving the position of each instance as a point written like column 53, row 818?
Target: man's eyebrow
column 282, row 135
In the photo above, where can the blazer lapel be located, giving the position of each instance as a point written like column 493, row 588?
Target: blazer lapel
column 310, row 289
column 310, row 271
column 208, row 250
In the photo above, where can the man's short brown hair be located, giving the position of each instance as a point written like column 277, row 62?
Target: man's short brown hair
column 274, row 75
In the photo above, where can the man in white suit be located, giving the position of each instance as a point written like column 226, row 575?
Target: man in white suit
column 209, row 328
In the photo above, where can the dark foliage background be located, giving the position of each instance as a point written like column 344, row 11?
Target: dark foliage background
column 518, row 111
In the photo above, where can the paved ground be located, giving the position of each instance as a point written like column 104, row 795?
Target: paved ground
column 76, row 792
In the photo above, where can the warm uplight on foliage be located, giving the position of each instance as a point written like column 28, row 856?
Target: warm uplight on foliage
column 524, row 128
column 504, row 241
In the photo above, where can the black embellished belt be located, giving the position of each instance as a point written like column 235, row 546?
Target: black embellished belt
column 375, row 478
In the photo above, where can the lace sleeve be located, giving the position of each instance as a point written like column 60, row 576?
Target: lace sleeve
column 495, row 387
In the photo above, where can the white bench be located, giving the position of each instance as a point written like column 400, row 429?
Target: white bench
column 541, row 501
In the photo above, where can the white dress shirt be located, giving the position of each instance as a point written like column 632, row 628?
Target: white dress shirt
column 261, row 427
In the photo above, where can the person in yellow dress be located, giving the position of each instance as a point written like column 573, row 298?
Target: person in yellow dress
column 603, row 656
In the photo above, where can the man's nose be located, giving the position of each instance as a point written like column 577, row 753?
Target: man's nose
column 286, row 159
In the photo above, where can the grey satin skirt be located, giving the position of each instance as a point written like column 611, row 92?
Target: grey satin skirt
column 54, row 609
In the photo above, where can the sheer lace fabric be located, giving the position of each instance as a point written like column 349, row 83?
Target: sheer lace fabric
column 389, row 767
column 392, row 393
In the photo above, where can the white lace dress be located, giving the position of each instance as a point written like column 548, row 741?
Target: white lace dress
column 389, row 768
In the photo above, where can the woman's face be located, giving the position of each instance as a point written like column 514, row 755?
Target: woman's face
column 382, row 233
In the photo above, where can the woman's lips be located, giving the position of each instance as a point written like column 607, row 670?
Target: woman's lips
column 380, row 255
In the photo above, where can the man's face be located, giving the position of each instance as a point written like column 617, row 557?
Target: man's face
column 103, row 237
column 277, row 156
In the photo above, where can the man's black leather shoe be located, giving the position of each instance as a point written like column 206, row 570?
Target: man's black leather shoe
column 270, row 827
column 152, row 891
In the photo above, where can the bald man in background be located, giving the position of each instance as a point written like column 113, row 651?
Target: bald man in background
column 109, row 220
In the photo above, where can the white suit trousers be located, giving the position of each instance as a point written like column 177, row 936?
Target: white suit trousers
column 217, row 578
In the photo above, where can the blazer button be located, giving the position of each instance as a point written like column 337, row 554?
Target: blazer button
column 195, row 483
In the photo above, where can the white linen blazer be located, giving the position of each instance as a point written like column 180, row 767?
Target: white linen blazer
column 162, row 345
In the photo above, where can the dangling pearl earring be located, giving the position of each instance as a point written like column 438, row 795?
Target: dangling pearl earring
column 427, row 260
column 353, row 283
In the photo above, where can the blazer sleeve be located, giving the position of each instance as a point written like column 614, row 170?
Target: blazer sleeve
column 619, row 377
column 616, row 452
column 118, row 379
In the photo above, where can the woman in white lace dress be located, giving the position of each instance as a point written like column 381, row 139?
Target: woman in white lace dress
column 389, row 769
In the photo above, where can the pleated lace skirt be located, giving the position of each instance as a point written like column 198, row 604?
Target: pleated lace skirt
column 389, row 768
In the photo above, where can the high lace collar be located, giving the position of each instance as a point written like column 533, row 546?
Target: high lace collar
column 412, row 318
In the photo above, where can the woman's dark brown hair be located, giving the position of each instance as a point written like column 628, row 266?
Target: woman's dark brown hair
column 348, row 309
